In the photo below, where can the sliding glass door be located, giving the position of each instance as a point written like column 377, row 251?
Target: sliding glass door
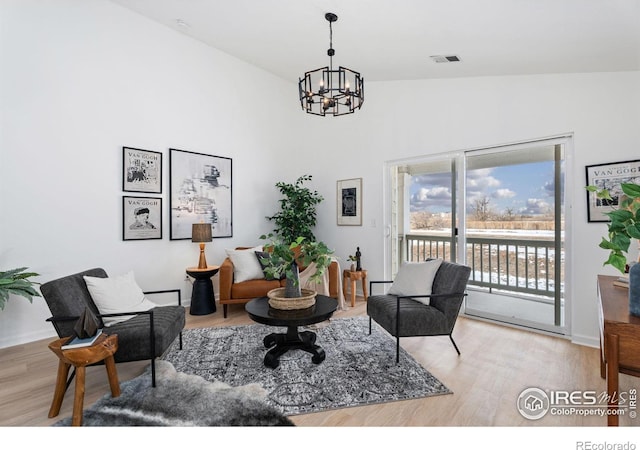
column 499, row 211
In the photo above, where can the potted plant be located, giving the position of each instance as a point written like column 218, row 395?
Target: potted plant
column 623, row 228
column 624, row 225
column 286, row 256
column 16, row 281
column 297, row 215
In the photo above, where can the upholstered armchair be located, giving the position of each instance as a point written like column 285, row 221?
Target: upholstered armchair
column 234, row 289
column 142, row 335
column 424, row 300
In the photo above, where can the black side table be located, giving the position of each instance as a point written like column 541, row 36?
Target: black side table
column 280, row 343
column 203, row 300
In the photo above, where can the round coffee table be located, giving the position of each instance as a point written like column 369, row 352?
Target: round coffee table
column 280, row 343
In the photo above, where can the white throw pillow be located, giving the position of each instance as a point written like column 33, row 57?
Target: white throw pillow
column 416, row 279
column 116, row 295
column 245, row 264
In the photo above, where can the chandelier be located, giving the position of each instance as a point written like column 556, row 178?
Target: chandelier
column 337, row 92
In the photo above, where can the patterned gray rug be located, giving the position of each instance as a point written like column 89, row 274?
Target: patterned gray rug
column 359, row 368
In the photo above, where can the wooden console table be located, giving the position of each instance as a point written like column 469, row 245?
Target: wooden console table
column 619, row 338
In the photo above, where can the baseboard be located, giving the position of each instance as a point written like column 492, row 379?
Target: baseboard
column 587, row 341
column 11, row 341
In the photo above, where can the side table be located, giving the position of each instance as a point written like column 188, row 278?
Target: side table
column 278, row 344
column 203, row 300
column 102, row 350
column 354, row 276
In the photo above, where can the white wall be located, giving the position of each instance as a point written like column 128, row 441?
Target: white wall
column 408, row 119
column 81, row 79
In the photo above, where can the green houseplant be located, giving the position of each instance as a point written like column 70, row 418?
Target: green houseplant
column 16, row 281
column 624, row 225
column 284, row 257
column 297, row 215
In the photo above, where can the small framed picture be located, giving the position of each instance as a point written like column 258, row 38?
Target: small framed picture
column 141, row 218
column 350, row 202
column 609, row 176
column 141, row 170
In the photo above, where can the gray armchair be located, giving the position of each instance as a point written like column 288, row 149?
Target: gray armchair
column 403, row 317
column 147, row 335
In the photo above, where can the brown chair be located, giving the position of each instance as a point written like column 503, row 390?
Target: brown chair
column 232, row 293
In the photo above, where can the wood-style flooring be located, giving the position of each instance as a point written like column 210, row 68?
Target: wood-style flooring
column 496, row 365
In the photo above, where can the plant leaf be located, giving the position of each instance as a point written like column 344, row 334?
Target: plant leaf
column 633, row 230
column 631, row 189
column 618, row 261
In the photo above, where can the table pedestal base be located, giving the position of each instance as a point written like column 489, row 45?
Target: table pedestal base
column 281, row 343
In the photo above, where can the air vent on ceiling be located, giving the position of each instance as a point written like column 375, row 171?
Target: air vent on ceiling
column 445, row 58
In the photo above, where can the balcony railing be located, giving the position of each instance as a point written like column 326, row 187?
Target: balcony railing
column 517, row 265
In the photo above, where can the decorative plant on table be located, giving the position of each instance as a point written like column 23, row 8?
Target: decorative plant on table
column 286, row 255
column 297, row 215
column 624, row 226
column 16, row 281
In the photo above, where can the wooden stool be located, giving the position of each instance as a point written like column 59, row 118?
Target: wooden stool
column 103, row 349
column 354, row 276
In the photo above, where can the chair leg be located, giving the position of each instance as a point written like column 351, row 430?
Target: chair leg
column 153, row 372
column 454, row 344
column 369, row 324
column 181, row 340
column 397, row 349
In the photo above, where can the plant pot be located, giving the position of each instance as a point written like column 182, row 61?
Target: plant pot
column 278, row 299
column 292, row 286
column 634, row 289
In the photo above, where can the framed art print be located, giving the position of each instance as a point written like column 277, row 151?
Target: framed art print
column 350, row 202
column 141, row 218
column 200, row 189
column 609, row 176
column 141, row 170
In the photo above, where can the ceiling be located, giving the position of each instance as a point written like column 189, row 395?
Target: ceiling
column 394, row 39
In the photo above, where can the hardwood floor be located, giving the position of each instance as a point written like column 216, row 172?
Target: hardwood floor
column 496, row 365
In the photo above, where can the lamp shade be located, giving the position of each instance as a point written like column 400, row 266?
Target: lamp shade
column 201, row 232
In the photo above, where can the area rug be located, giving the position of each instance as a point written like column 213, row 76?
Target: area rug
column 181, row 400
column 359, row 368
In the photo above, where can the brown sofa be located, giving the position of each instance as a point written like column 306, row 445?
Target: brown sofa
column 240, row 293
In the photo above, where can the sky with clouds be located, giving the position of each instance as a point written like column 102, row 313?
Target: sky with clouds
column 524, row 188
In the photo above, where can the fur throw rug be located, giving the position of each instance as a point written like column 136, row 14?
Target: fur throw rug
column 181, row 399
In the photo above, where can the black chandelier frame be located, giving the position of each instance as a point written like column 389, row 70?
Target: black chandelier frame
column 338, row 92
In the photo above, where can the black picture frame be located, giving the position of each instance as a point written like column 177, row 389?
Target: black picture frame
column 141, row 218
column 349, row 202
column 141, row 170
column 200, row 192
column 609, row 176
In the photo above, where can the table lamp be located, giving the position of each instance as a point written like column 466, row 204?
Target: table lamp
column 201, row 233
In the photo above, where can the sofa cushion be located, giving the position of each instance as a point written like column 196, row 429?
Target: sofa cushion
column 253, row 288
column 168, row 322
column 117, row 295
column 415, row 279
column 245, row 264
